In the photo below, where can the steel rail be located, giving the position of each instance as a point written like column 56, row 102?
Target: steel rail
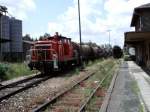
column 23, row 88
column 44, row 105
column 18, row 82
column 82, row 108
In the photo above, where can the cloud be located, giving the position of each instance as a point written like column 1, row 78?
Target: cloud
column 19, row 8
column 97, row 17
column 67, row 23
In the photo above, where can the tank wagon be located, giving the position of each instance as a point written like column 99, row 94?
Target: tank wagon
column 57, row 52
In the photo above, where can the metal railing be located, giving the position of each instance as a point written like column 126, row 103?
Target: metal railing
column 43, row 54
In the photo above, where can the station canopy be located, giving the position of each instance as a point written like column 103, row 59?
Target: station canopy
column 133, row 37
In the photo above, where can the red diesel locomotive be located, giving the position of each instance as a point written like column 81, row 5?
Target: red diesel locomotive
column 53, row 53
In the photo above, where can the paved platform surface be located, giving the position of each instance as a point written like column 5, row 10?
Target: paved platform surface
column 143, row 82
column 131, row 91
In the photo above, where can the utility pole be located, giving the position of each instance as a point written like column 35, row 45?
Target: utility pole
column 80, row 52
column 109, row 35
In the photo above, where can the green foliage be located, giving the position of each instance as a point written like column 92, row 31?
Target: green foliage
column 16, row 70
column 141, row 108
column 27, row 37
column 117, row 52
column 73, row 72
column 3, row 70
column 135, row 88
column 45, row 36
column 10, row 71
column 77, row 71
column 90, row 63
column 127, row 58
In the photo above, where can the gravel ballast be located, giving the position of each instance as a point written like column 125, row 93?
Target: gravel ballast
column 29, row 99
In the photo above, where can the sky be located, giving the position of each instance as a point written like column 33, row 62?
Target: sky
column 98, row 18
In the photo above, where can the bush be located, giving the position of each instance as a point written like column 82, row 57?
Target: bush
column 117, row 52
column 127, row 58
column 3, row 70
column 17, row 70
column 13, row 70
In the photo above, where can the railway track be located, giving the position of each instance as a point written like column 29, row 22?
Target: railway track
column 95, row 95
column 11, row 89
column 73, row 99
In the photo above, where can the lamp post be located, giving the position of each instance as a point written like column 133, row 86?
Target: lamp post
column 80, row 52
column 109, row 35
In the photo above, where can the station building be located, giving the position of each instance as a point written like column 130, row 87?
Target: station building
column 140, row 38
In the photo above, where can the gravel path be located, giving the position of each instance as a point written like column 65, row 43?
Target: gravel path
column 27, row 100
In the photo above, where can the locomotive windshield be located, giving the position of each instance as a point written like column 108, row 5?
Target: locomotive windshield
column 42, row 46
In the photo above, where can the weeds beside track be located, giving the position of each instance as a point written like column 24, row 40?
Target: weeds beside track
column 75, row 97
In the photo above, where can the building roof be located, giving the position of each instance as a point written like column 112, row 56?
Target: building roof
column 137, row 12
column 144, row 6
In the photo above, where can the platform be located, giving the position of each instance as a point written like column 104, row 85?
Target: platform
column 131, row 92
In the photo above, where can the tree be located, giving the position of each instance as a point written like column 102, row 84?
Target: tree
column 35, row 39
column 41, row 38
column 117, row 52
column 27, row 37
column 45, row 36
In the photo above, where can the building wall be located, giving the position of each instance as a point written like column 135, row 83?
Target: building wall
column 4, row 27
column 143, row 50
column 138, row 26
column 147, row 50
column 139, row 55
column 145, row 21
column 5, row 47
column 16, row 35
column 143, row 53
column 144, row 25
column 11, row 29
column 4, row 33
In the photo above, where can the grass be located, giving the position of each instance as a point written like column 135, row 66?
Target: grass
column 87, row 91
column 15, row 70
column 77, row 70
column 107, row 67
column 110, row 74
column 136, row 90
column 141, row 108
column 135, row 87
column 90, row 63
